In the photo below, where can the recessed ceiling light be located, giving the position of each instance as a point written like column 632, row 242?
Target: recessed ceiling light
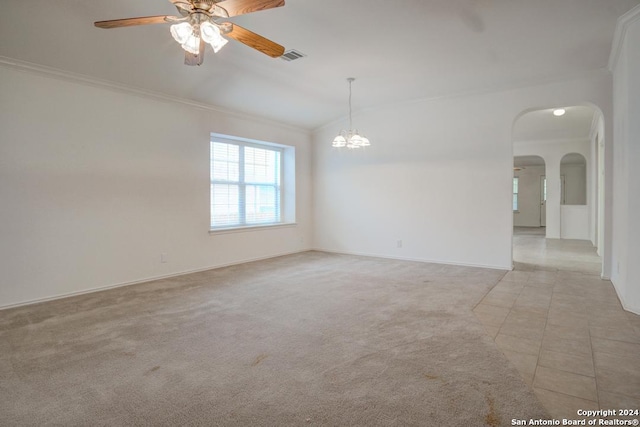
column 559, row 112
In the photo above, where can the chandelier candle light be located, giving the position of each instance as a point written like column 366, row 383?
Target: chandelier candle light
column 350, row 138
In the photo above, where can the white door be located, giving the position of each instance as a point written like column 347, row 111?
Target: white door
column 543, row 201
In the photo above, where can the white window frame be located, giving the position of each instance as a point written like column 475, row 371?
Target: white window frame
column 285, row 190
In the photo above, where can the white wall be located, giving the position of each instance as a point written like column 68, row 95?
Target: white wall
column 438, row 175
column 574, row 222
column 626, row 196
column 529, row 197
column 96, row 183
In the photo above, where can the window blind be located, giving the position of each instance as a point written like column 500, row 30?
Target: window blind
column 245, row 184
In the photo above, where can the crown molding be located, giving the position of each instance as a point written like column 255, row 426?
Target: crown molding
column 489, row 90
column 621, row 30
column 83, row 79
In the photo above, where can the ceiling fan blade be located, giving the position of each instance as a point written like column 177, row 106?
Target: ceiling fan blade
column 240, row 7
column 129, row 22
column 254, row 40
column 183, row 6
column 181, row 3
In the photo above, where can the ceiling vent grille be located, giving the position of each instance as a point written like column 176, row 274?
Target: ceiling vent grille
column 292, row 55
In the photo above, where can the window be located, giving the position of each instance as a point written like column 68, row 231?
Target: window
column 515, row 193
column 245, row 183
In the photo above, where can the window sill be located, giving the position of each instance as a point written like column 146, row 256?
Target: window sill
column 251, row 228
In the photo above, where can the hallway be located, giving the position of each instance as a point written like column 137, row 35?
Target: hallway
column 531, row 251
column 563, row 328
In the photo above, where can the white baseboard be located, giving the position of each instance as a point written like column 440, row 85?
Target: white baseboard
column 634, row 310
column 136, row 282
column 425, row 260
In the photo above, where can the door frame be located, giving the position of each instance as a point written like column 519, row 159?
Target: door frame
column 543, row 201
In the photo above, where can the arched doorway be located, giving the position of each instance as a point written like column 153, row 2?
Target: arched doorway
column 574, row 212
column 570, row 140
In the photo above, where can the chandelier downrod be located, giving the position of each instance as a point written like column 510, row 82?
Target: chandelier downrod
column 350, row 138
column 350, row 80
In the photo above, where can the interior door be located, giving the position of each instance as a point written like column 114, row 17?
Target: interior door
column 543, row 201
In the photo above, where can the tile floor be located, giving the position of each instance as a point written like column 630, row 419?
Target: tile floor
column 563, row 328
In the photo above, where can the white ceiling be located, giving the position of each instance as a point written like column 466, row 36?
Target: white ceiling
column 397, row 50
column 541, row 125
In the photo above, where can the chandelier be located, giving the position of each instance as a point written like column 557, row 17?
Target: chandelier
column 350, row 138
column 200, row 27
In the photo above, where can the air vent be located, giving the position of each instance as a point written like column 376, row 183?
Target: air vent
column 292, row 55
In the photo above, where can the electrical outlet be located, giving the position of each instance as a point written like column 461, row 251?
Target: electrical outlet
column 163, row 258
column 399, row 243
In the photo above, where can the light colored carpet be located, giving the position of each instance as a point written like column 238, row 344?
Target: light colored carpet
column 307, row 339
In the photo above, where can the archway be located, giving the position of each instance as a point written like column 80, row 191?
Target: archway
column 573, row 174
column 577, row 132
column 574, row 210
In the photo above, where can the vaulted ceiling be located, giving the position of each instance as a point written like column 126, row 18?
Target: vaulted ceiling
column 398, row 50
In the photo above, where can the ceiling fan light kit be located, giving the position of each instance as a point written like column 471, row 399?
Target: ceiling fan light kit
column 188, row 36
column 211, row 34
column 198, row 24
column 350, row 138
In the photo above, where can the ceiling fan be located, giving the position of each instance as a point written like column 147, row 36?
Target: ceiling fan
column 200, row 23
